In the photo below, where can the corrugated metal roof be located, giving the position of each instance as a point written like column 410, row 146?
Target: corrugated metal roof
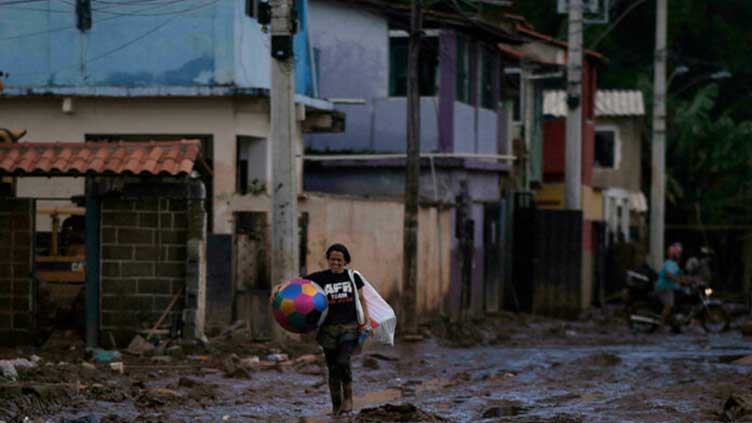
column 607, row 103
column 100, row 158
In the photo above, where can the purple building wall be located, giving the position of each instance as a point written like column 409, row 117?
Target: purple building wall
column 353, row 50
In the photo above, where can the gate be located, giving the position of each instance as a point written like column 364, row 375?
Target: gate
column 557, row 259
column 492, row 258
column 546, row 259
column 518, row 294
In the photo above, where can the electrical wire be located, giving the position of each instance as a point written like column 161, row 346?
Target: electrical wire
column 600, row 38
column 106, row 19
column 122, row 46
column 12, row 2
column 166, row 13
column 134, row 40
column 34, row 9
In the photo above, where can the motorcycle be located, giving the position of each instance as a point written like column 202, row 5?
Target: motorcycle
column 692, row 302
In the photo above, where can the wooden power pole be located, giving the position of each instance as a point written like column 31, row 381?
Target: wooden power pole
column 284, row 175
column 412, row 178
column 658, row 174
column 573, row 172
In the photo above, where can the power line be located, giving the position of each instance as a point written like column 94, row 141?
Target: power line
column 600, row 38
column 122, row 46
column 135, row 40
column 181, row 11
column 107, row 19
column 35, row 9
column 12, row 2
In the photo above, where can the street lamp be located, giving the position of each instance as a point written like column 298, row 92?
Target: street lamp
column 680, row 70
column 721, row 74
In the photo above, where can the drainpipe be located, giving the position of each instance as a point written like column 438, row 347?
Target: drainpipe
column 529, row 98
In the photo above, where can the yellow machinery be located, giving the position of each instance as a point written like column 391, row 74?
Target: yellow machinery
column 61, row 273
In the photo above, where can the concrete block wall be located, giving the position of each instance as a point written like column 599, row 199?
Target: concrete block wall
column 16, row 246
column 143, row 261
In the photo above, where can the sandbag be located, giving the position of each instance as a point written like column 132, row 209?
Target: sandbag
column 383, row 319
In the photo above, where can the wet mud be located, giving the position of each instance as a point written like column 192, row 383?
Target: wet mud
column 513, row 369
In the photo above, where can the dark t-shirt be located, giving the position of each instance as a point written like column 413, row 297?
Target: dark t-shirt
column 339, row 293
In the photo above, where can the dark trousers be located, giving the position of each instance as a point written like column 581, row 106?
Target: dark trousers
column 338, row 342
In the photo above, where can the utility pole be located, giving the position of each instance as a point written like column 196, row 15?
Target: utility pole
column 573, row 171
column 412, row 177
column 284, row 175
column 658, row 174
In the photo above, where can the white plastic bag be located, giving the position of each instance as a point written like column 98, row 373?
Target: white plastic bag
column 384, row 321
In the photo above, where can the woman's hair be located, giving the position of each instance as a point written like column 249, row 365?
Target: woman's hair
column 341, row 248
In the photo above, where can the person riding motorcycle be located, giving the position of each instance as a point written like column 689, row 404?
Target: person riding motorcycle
column 670, row 281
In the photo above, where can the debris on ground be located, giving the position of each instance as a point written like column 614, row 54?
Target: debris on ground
column 118, row 367
column 747, row 361
column 105, row 356
column 186, row 382
column 161, row 359
column 600, row 359
column 34, row 399
column 63, row 340
column 371, row 363
column 396, row 413
column 249, row 362
column 383, row 357
column 746, row 328
column 277, row 357
column 89, row 418
column 233, row 369
column 504, row 411
column 736, row 407
column 306, row 359
column 9, row 368
column 157, row 397
column 140, row 346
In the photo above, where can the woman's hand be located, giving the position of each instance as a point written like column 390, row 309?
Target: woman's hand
column 275, row 290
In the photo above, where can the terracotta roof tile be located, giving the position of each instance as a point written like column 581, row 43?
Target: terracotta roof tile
column 100, row 158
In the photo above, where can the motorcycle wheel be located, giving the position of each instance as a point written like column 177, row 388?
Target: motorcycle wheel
column 642, row 309
column 715, row 319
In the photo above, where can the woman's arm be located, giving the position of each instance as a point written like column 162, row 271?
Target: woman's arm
column 365, row 308
column 678, row 279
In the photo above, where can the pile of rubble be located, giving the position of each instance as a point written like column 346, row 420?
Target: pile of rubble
column 151, row 372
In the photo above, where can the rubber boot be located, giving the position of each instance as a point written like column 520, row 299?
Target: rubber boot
column 335, row 388
column 347, row 403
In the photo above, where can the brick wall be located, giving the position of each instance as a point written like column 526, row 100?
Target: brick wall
column 16, row 241
column 143, row 261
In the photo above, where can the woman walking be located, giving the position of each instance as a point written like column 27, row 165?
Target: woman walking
column 338, row 333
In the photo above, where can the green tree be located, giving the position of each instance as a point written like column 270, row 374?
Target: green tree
column 709, row 164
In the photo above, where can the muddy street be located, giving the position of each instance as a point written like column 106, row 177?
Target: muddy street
column 536, row 370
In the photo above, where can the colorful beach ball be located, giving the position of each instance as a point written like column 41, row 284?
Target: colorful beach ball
column 300, row 306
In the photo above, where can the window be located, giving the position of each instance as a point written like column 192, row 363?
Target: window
column 251, row 165
column 429, row 62
column 511, row 91
column 487, row 73
column 463, row 70
column 606, row 149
